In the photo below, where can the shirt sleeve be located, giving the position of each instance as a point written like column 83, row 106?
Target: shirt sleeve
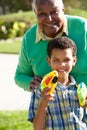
column 86, row 33
column 85, row 116
column 34, row 103
column 24, row 73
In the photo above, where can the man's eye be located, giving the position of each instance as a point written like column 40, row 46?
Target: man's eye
column 54, row 12
column 41, row 15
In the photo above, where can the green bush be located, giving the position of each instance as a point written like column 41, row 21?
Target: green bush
column 13, row 29
column 15, row 25
column 18, row 28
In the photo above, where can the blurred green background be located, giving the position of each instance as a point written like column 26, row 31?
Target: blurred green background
column 16, row 16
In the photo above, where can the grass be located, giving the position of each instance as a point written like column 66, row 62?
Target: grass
column 11, row 46
column 14, row 120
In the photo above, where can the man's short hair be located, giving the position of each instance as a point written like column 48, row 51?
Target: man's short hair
column 34, row 3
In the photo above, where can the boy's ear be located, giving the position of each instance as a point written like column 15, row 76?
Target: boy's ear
column 74, row 60
column 48, row 60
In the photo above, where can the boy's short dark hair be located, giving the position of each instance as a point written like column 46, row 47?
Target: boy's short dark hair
column 61, row 43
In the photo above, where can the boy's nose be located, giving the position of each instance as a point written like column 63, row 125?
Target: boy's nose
column 62, row 63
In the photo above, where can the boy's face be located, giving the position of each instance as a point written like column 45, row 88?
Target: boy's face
column 62, row 61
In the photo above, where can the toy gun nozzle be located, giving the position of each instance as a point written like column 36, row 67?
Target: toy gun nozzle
column 55, row 79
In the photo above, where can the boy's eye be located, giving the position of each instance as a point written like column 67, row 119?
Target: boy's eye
column 67, row 60
column 56, row 61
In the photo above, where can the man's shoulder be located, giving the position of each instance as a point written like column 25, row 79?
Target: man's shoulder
column 75, row 24
column 75, row 18
column 32, row 29
column 30, row 34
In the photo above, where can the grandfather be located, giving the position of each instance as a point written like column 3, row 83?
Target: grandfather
column 51, row 23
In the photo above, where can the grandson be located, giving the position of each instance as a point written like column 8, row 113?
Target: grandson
column 60, row 111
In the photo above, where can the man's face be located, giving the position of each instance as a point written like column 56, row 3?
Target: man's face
column 50, row 16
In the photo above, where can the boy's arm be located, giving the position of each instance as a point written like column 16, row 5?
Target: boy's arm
column 40, row 117
column 39, row 120
column 37, row 110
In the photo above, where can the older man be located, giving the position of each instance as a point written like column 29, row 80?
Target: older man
column 51, row 23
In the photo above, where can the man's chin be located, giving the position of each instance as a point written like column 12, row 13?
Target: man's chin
column 52, row 32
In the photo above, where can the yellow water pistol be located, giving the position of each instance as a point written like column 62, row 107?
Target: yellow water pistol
column 82, row 93
column 50, row 80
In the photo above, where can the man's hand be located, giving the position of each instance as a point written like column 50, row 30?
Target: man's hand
column 35, row 82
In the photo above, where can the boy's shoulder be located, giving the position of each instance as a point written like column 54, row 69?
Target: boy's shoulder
column 37, row 90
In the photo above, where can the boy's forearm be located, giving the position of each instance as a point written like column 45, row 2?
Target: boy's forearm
column 39, row 120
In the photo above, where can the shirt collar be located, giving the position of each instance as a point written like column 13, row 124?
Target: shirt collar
column 41, row 36
column 72, row 83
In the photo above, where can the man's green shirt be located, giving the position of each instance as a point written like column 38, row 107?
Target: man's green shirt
column 32, row 57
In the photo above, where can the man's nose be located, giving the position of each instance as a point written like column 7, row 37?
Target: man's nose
column 49, row 17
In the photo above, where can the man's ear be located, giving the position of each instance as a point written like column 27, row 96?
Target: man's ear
column 63, row 9
column 35, row 11
column 48, row 60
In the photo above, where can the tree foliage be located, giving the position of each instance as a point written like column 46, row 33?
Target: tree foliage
column 9, row 6
column 82, row 4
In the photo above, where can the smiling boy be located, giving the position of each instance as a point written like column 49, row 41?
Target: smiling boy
column 60, row 110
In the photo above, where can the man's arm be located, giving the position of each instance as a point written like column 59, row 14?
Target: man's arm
column 24, row 73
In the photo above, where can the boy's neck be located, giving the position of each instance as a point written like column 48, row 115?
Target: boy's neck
column 64, row 81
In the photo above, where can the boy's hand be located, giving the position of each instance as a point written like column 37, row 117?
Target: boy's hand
column 85, row 106
column 45, row 97
column 35, row 82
